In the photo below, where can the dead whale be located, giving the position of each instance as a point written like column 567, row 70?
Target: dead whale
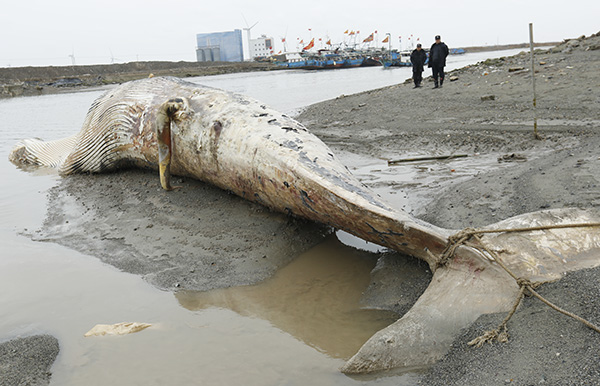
column 264, row 156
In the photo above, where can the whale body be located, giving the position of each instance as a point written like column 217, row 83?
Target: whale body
column 244, row 146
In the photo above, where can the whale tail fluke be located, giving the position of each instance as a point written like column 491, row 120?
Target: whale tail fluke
column 42, row 153
column 473, row 284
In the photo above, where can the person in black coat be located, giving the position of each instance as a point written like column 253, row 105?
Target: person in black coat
column 418, row 58
column 437, row 60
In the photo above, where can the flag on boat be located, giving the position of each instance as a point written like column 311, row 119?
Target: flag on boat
column 346, row 31
column 351, row 33
column 328, row 42
column 310, row 45
column 369, row 39
column 387, row 39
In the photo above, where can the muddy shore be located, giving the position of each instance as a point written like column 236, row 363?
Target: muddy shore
column 28, row 81
column 142, row 226
column 27, row 361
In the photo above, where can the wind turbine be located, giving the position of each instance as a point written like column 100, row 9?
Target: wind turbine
column 112, row 57
column 247, row 29
column 72, row 56
column 284, row 40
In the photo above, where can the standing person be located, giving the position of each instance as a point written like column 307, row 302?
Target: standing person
column 418, row 58
column 437, row 60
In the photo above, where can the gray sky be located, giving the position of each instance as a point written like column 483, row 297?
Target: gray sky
column 46, row 32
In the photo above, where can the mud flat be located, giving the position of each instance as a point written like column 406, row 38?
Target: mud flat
column 27, row 81
column 27, row 361
column 201, row 238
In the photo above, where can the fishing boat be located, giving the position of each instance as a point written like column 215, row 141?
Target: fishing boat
column 396, row 59
column 327, row 59
column 372, row 61
column 457, row 51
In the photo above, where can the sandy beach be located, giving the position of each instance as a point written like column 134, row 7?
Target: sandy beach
column 483, row 111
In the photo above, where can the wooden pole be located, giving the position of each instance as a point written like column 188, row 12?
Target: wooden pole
column 416, row 159
column 535, row 131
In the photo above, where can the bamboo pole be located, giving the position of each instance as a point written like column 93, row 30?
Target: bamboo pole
column 535, row 131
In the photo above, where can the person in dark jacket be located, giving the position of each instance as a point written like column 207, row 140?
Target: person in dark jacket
column 418, row 58
column 437, row 60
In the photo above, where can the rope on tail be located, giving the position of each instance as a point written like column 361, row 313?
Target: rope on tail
column 463, row 237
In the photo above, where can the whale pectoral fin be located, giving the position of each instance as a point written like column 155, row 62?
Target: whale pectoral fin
column 457, row 295
column 167, row 112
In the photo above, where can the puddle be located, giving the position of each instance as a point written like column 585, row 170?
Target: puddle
column 412, row 185
column 358, row 243
column 316, row 298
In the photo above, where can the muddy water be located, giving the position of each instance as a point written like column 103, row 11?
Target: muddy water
column 296, row 328
column 316, row 298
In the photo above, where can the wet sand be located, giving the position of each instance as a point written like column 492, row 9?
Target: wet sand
column 228, row 242
column 27, row 361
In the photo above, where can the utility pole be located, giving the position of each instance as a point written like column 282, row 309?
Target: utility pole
column 535, row 132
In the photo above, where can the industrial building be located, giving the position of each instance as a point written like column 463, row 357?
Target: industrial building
column 261, row 47
column 220, row 47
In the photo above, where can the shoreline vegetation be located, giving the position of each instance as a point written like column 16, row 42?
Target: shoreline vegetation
column 32, row 80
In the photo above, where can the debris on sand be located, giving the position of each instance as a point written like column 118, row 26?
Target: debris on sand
column 512, row 158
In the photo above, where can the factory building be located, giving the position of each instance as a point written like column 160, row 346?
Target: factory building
column 220, row 47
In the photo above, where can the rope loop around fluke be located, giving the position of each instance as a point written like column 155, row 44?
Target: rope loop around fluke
column 500, row 334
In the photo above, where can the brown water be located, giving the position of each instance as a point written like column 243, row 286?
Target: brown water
column 316, row 298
